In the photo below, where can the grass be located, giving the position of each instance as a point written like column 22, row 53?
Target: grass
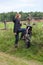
column 35, row 52
column 6, row 59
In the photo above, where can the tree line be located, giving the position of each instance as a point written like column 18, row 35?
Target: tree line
column 10, row 15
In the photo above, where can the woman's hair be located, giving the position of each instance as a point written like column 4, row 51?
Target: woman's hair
column 18, row 15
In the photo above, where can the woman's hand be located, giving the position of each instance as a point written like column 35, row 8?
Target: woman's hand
column 15, row 33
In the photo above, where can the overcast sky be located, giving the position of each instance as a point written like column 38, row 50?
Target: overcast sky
column 21, row 5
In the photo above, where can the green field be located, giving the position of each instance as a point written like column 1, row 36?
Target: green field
column 35, row 52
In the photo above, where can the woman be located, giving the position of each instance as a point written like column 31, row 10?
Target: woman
column 17, row 28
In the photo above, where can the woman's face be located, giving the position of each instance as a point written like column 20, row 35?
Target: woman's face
column 18, row 16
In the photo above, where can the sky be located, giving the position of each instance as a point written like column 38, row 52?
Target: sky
column 21, row 5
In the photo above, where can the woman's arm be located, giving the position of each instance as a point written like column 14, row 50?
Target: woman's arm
column 13, row 19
